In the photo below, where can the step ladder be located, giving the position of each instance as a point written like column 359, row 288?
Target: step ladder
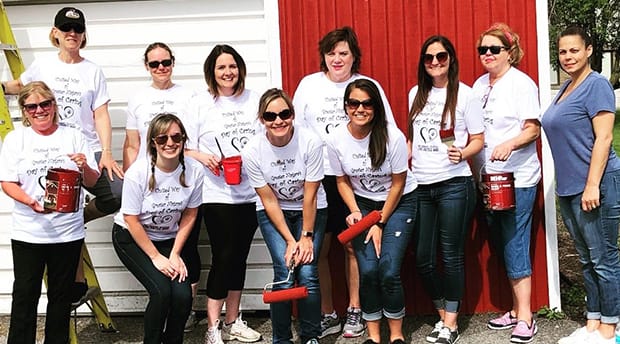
column 94, row 297
column 16, row 65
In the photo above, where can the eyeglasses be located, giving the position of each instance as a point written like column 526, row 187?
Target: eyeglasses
column 353, row 104
column 45, row 105
column 495, row 49
column 155, row 64
column 77, row 28
column 271, row 116
column 485, row 97
column 441, row 57
column 163, row 139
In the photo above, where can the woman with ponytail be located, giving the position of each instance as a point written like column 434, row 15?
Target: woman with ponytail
column 161, row 196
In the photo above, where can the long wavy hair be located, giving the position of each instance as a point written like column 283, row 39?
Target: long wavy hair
column 425, row 84
column 160, row 125
column 377, row 148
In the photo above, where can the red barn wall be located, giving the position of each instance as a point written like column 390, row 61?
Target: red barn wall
column 390, row 34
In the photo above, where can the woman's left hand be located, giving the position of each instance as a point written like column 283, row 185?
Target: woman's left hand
column 79, row 159
column 305, row 253
column 591, row 198
column 502, row 151
column 375, row 234
column 108, row 163
column 179, row 266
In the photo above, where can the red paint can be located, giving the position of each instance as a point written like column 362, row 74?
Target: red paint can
column 498, row 190
column 62, row 190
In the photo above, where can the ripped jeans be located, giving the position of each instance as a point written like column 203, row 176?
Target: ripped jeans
column 381, row 290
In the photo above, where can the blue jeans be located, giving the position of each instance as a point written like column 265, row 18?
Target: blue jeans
column 309, row 308
column 170, row 301
column 381, row 291
column 445, row 212
column 514, row 231
column 595, row 235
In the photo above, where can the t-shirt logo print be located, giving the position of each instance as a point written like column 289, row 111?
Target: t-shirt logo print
column 289, row 192
column 428, row 134
column 372, row 185
column 239, row 142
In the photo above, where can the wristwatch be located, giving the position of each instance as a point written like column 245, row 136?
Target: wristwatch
column 307, row 234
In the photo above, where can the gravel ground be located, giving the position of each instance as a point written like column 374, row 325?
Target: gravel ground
column 473, row 330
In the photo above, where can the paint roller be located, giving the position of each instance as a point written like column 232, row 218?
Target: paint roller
column 271, row 296
column 363, row 224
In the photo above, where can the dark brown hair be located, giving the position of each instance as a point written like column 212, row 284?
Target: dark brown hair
column 209, row 69
column 343, row 34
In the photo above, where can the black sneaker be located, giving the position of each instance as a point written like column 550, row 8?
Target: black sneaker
column 446, row 336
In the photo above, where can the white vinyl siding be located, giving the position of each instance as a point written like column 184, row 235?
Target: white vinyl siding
column 118, row 33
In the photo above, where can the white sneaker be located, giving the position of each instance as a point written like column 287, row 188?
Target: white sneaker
column 213, row 334
column 239, row 330
column 596, row 338
column 578, row 336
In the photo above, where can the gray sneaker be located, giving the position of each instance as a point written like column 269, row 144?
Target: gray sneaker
column 191, row 322
column 330, row 324
column 355, row 325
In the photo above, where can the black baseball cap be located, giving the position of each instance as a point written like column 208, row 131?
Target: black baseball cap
column 69, row 15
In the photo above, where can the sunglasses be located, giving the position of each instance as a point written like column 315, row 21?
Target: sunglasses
column 353, row 104
column 77, row 28
column 163, row 139
column 44, row 105
column 441, row 57
column 155, row 64
column 495, row 49
column 271, row 116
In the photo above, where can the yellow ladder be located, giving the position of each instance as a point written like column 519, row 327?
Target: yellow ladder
column 16, row 65
column 94, row 297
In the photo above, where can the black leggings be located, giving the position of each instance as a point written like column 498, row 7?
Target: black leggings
column 231, row 228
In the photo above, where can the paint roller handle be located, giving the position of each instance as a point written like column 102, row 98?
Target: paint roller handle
column 357, row 228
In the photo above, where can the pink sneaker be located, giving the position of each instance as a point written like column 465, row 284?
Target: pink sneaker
column 523, row 333
column 503, row 322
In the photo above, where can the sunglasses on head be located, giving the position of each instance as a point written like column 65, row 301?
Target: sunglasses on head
column 77, row 28
column 441, row 57
column 45, row 105
column 271, row 116
column 155, row 64
column 163, row 139
column 353, row 104
column 495, row 49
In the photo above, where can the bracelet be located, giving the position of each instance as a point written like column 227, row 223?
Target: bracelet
column 356, row 211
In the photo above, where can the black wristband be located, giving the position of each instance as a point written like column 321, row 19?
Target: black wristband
column 380, row 224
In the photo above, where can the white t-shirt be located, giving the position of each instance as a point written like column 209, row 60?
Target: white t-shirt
column 26, row 157
column 319, row 105
column 512, row 100
column 160, row 210
column 349, row 156
column 80, row 88
column 286, row 169
column 430, row 161
column 149, row 102
column 232, row 121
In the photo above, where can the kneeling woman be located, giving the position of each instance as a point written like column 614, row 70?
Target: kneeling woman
column 369, row 158
column 161, row 196
column 285, row 166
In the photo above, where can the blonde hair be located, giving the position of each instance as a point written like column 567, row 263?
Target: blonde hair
column 159, row 125
column 40, row 88
column 509, row 38
column 57, row 44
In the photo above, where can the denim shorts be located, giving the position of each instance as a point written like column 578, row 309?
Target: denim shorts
column 513, row 229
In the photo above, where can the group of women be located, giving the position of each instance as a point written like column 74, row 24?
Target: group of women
column 312, row 166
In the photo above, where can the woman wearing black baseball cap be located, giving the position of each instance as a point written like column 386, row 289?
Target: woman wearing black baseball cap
column 81, row 92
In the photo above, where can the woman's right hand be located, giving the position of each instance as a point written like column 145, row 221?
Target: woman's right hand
column 212, row 162
column 353, row 218
column 164, row 266
column 292, row 248
column 37, row 207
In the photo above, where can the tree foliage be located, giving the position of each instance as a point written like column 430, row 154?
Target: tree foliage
column 601, row 18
